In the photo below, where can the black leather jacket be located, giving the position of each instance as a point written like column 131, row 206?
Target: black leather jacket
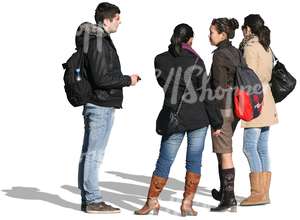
column 103, row 67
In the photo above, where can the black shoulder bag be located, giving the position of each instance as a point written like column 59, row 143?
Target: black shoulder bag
column 282, row 82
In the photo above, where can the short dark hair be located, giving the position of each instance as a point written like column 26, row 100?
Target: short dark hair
column 106, row 10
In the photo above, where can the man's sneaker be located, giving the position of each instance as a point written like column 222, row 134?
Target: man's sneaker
column 100, row 208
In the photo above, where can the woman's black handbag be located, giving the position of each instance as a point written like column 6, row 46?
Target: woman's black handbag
column 282, row 82
column 168, row 121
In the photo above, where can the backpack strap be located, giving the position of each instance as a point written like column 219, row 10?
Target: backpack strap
column 231, row 56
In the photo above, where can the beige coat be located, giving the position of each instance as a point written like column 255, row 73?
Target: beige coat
column 260, row 61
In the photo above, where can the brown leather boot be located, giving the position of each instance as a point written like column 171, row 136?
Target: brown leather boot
column 156, row 186
column 266, row 176
column 191, row 183
column 257, row 196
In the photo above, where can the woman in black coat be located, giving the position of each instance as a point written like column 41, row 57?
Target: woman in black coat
column 181, row 73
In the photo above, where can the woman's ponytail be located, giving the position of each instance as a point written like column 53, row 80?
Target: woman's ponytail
column 264, row 37
column 182, row 33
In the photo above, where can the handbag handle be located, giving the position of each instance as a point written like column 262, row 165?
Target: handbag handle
column 180, row 104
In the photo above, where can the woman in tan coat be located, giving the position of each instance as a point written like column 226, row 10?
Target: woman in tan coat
column 258, row 57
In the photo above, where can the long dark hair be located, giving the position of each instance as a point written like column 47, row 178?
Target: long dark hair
column 257, row 26
column 181, row 34
column 226, row 25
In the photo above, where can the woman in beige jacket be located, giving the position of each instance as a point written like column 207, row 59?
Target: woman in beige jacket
column 258, row 57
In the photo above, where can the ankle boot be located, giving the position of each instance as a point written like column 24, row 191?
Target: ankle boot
column 215, row 193
column 152, row 204
column 191, row 183
column 266, row 180
column 258, row 196
column 228, row 201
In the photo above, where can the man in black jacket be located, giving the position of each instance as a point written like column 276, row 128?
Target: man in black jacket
column 107, row 81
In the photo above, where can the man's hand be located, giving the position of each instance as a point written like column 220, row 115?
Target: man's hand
column 134, row 79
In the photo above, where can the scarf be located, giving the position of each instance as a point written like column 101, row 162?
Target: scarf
column 245, row 41
column 189, row 48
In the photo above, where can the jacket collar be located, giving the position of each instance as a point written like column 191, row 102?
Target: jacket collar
column 100, row 25
column 223, row 44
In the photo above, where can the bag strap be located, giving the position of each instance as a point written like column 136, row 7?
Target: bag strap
column 230, row 55
column 82, row 61
column 181, row 100
column 275, row 59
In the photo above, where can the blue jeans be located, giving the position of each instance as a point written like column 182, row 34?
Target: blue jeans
column 169, row 148
column 98, row 123
column 256, row 148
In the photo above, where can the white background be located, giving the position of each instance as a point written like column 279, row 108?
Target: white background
column 41, row 133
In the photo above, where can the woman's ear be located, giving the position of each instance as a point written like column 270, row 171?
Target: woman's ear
column 223, row 36
column 190, row 41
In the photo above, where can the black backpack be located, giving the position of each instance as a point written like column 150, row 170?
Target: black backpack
column 77, row 86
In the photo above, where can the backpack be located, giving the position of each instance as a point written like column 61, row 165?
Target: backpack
column 77, row 87
column 248, row 92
